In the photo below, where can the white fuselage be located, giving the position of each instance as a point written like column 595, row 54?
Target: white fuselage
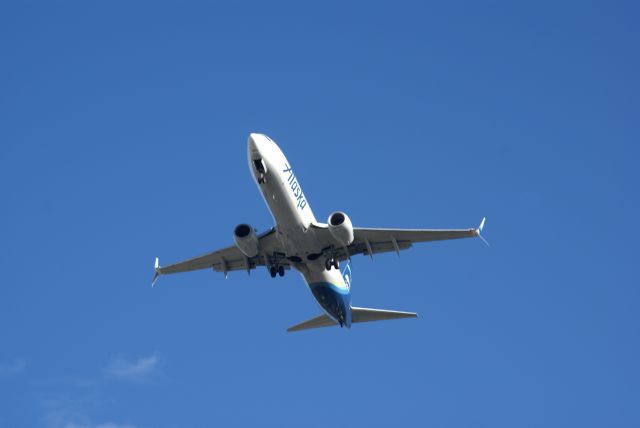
column 293, row 217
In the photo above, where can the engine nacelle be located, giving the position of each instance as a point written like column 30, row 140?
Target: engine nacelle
column 246, row 240
column 341, row 228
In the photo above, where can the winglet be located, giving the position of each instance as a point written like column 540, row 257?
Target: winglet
column 479, row 231
column 157, row 272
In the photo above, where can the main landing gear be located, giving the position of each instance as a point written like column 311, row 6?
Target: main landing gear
column 276, row 270
column 331, row 262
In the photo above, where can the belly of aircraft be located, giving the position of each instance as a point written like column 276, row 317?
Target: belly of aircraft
column 330, row 291
column 336, row 304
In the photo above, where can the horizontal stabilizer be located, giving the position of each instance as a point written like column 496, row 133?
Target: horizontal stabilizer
column 367, row 314
column 321, row 321
column 357, row 315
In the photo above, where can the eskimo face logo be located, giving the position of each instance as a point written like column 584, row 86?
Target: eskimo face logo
column 295, row 187
column 347, row 276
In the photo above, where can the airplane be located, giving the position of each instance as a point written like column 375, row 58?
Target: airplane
column 300, row 242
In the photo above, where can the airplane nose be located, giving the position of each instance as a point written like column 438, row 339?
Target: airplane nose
column 259, row 144
column 252, row 143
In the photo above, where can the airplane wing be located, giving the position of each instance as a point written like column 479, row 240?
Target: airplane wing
column 229, row 259
column 372, row 241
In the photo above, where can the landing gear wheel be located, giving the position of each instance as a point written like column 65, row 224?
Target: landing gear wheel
column 281, row 270
column 336, row 264
column 273, row 271
column 328, row 263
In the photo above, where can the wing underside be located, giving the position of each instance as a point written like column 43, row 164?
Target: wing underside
column 231, row 258
column 366, row 241
column 369, row 241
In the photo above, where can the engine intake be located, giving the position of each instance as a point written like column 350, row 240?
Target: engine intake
column 246, row 240
column 341, row 228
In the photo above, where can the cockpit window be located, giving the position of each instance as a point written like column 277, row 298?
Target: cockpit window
column 259, row 166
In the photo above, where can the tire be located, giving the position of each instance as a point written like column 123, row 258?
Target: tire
column 336, row 264
column 281, row 271
column 327, row 264
column 273, row 271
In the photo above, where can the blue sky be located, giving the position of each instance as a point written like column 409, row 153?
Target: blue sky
column 123, row 133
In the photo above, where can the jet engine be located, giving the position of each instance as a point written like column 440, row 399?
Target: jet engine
column 341, row 228
column 246, row 240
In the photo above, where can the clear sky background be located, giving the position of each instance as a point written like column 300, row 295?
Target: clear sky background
column 123, row 129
